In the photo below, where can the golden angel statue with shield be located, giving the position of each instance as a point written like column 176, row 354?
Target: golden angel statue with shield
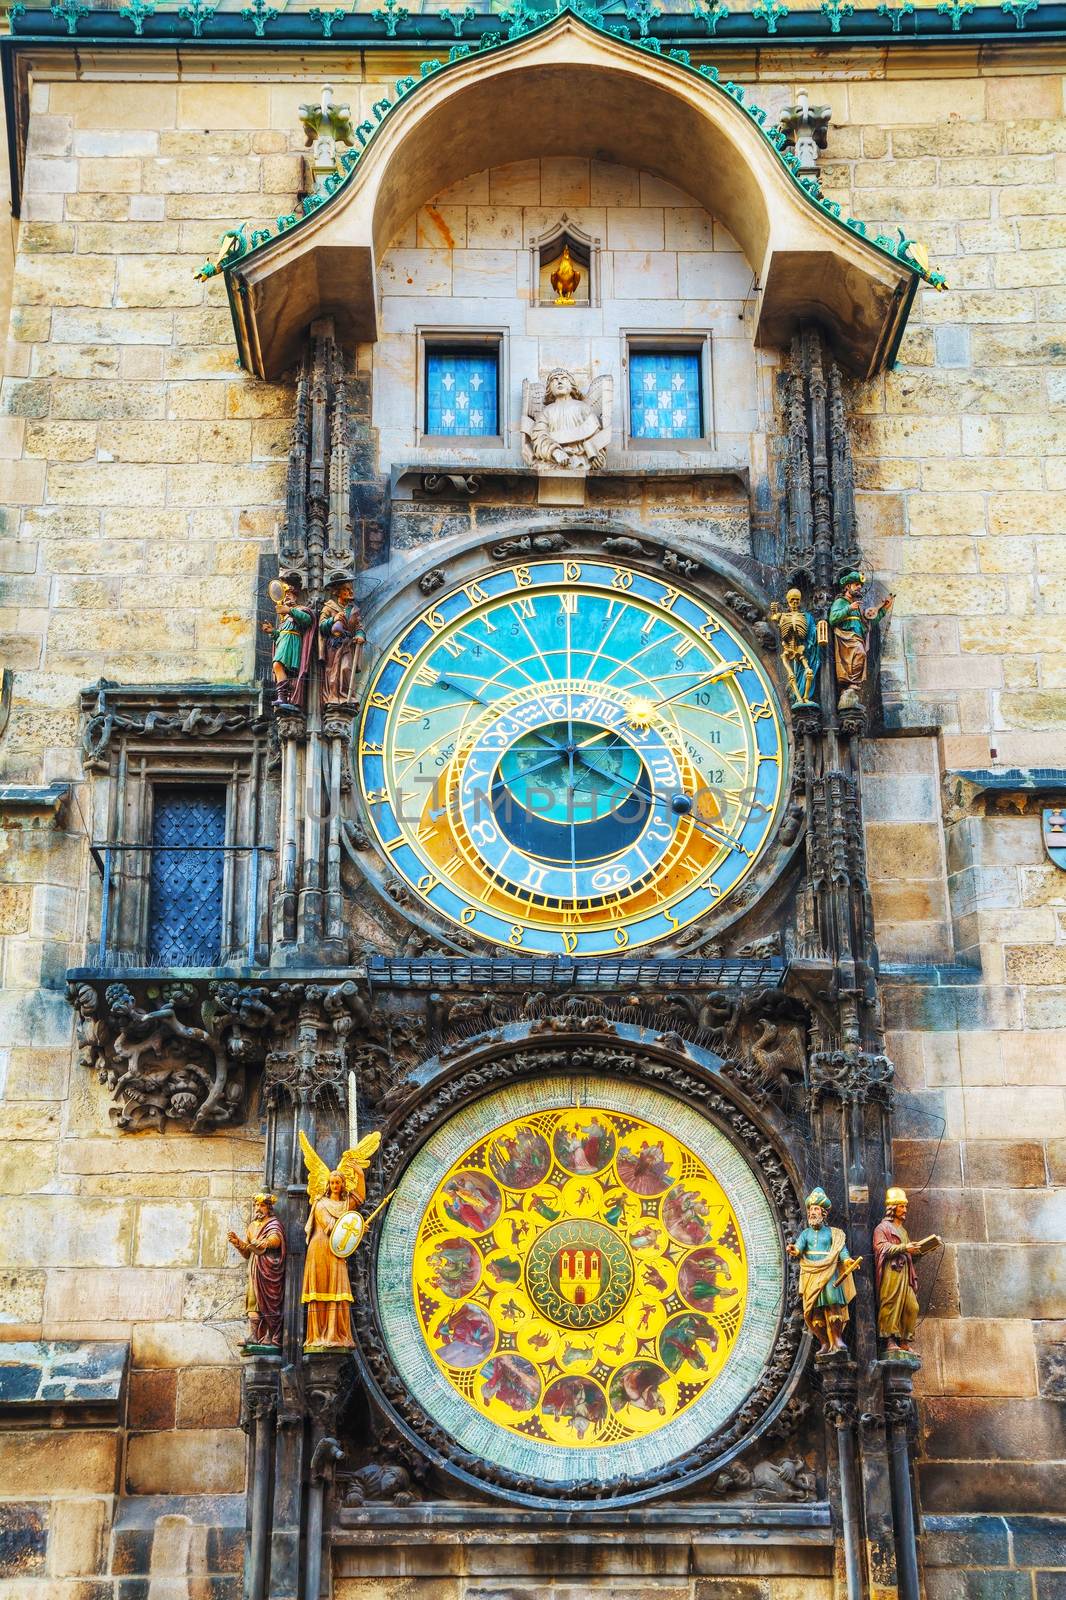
column 334, row 1228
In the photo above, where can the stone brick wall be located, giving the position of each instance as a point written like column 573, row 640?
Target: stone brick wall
column 140, row 478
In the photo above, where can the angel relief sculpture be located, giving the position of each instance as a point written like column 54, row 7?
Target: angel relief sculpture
column 564, row 430
column 335, row 1226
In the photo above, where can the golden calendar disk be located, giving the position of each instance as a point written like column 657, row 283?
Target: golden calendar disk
column 579, row 1277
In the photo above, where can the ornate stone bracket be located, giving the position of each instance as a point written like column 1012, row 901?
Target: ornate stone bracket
column 182, row 1052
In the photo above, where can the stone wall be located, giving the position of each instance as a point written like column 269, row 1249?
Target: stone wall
column 141, row 476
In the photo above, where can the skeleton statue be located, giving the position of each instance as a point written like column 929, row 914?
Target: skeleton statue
column 562, row 429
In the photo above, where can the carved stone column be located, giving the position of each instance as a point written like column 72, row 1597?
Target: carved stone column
column 323, row 1392
column 259, row 1406
column 835, row 971
column 839, row 1378
column 901, row 1426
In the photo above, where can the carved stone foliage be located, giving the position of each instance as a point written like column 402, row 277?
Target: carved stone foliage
column 600, row 1051
column 182, row 1053
column 176, row 1052
column 855, row 1077
column 179, row 718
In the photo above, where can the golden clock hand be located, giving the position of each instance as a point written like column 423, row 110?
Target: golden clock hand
column 479, row 699
column 712, row 677
column 719, row 835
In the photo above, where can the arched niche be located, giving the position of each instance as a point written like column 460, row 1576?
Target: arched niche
column 569, row 89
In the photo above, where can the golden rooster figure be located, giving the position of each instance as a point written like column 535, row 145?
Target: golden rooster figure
column 334, row 1229
column 565, row 280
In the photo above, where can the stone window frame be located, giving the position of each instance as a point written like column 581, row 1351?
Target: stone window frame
column 487, row 338
column 176, row 738
column 553, row 238
column 647, row 340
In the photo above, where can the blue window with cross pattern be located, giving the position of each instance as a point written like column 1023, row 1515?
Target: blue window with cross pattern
column 462, row 390
column 665, row 394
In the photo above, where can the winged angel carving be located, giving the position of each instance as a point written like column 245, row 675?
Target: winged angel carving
column 562, row 429
column 334, row 1229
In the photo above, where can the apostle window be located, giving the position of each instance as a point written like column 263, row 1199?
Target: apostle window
column 461, row 389
column 667, row 391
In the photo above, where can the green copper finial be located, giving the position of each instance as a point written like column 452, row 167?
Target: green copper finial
column 710, row 15
column 197, row 12
column 835, row 10
column 326, row 19
column 770, row 12
column 1019, row 10
column 896, row 14
column 70, row 12
column 456, row 19
column 259, row 14
column 136, row 12
column 956, row 10
column 642, row 12
column 392, row 14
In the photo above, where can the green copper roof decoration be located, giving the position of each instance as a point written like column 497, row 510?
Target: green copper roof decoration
column 71, row 12
column 137, row 13
column 520, row 22
column 896, row 14
column 836, row 11
column 770, row 12
column 669, row 22
column 196, row 14
column 710, row 15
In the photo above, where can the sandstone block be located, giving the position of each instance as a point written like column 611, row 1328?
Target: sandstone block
column 206, row 483
column 109, row 175
column 64, row 280
column 979, row 1356
column 78, row 1539
column 153, row 1400
column 167, row 1463
column 102, row 105
column 95, row 1293
column 112, row 327
column 126, row 238
column 46, row 1231
column 209, row 1397
column 180, row 1344
column 149, row 281
column 167, row 1235
column 1027, row 1278
column 50, row 1463
column 1027, row 1217
column 23, row 1540
column 147, row 441
column 223, row 105
column 106, row 484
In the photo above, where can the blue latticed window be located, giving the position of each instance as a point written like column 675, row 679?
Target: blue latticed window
column 462, row 390
column 185, row 882
column 665, row 394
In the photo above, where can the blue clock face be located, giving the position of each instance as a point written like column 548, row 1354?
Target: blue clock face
column 571, row 757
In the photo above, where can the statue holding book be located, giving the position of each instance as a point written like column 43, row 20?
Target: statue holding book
column 897, row 1283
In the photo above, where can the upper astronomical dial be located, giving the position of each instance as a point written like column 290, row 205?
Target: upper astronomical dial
column 571, row 757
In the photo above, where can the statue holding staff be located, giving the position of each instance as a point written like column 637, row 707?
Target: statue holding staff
column 263, row 1247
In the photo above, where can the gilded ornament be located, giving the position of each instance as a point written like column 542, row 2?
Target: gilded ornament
column 334, row 1230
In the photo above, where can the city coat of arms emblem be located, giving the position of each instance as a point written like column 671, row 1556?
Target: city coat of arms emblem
column 1055, row 835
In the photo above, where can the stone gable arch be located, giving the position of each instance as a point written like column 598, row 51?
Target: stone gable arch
column 570, row 89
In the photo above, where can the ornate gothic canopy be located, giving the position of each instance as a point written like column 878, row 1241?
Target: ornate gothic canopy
column 571, row 89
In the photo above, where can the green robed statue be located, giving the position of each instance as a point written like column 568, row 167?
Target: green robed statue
column 826, row 1273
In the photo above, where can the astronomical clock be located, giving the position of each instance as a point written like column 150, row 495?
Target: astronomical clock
column 571, row 757
column 579, row 1287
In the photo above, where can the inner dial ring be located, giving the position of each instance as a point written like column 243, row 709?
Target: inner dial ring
column 643, row 686
column 554, row 797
